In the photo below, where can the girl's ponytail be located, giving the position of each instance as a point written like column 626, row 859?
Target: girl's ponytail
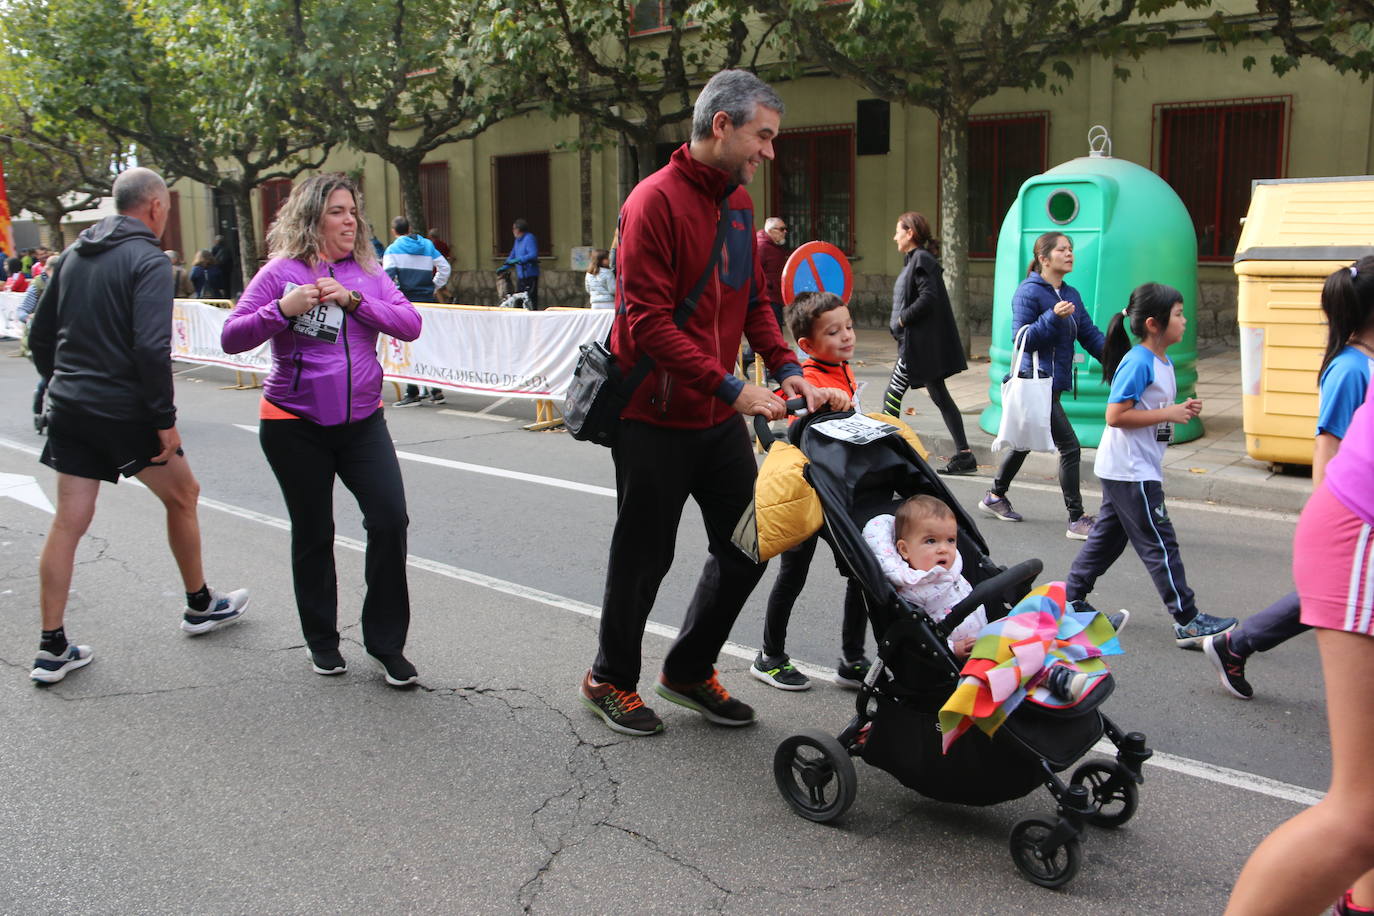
column 1348, row 301
column 1116, row 346
column 1148, row 300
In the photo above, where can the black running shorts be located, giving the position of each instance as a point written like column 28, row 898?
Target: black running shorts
column 97, row 448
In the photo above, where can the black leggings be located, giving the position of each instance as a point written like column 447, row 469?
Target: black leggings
column 1066, row 441
column 795, row 564
column 306, row 457
column 939, row 394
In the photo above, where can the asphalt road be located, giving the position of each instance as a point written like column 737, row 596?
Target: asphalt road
column 219, row 775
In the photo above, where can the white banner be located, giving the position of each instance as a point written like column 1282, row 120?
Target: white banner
column 9, row 308
column 488, row 351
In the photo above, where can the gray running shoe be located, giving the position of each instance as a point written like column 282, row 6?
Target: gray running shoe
column 998, row 507
column 1080, row 528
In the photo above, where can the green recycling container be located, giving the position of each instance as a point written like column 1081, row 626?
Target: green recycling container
column 1128, row 227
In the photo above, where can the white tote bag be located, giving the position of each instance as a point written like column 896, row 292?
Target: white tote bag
column 1025, row 425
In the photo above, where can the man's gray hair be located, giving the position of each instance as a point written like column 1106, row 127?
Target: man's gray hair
column 772, row 222
column 135, row 187
column 737, row 93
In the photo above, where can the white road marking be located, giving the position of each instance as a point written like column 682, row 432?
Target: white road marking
column 492, row 406
column 477, row 415
column 1198, row 769
column 26, row 490
column 557, row 482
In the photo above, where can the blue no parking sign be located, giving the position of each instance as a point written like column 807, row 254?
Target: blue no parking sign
column 817, row 267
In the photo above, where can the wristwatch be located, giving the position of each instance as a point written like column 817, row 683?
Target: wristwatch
column 355, row 299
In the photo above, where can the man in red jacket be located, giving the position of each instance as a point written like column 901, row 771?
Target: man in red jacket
column 683, row 432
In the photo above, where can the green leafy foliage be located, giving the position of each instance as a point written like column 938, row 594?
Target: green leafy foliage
column 400, row 78
column 584, row 58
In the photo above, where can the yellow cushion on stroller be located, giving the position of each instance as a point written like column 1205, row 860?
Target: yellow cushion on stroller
column 907, row 432
column 785, row 510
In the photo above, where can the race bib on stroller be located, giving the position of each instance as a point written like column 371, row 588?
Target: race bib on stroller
column 858, row 429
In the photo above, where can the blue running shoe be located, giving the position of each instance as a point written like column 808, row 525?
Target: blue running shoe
column 49, row 668
column 224, row 609
column 1191, row 634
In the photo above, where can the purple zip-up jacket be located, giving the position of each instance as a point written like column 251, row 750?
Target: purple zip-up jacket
column 326, row 383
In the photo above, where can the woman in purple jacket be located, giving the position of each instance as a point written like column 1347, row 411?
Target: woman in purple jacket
column 322, row 300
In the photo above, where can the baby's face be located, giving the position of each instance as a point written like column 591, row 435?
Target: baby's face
column 930, row 542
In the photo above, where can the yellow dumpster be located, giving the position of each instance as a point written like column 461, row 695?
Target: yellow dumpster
column 1297, row 232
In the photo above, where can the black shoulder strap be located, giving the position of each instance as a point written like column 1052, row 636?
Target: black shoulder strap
column 687, row 306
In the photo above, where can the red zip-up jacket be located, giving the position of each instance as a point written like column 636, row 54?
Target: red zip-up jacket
column 666, row 228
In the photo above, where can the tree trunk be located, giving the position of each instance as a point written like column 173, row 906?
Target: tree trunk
column 248, row 237
column 57, row 239
column 645, row 147
column 625, row 171
column 954, row 216
column 408, row 169
column 584, row 176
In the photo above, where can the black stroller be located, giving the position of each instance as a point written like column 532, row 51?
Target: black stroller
column 896, row 726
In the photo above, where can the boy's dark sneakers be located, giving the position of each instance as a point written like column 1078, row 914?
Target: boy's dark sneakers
column 399, row 672
column 49, row 668
column 436, row 396
column 779, row 672
column 1117, row 618
column 852, row 673
column 1230, row 665
column 708, row 698
column 1191, row 634
column 622, row 710
column 409, row 400
column 328, row 662
column 961, row 463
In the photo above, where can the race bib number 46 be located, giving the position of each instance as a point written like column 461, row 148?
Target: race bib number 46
column 323, row 322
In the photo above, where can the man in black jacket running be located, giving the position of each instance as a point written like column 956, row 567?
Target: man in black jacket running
column 102, row 337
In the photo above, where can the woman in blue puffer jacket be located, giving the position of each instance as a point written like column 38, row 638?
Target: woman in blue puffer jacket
column 322, row 300
column 1053, row 310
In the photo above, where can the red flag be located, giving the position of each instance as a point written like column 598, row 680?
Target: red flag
column 6, row 233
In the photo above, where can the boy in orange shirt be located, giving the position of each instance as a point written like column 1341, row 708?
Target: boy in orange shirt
column 824, row 329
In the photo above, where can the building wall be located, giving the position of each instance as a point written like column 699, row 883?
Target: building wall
column 1331, row 132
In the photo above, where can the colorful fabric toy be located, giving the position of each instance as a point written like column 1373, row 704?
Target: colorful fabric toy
column 1011, row 656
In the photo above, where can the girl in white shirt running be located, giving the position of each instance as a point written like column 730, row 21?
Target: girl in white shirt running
column 1141, row 414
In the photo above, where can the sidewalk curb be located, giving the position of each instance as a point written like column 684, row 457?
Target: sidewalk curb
column 1251, row 488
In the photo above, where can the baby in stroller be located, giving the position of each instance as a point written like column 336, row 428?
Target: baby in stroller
column 918, row 551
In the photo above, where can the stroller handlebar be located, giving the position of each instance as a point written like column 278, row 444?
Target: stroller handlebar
column 796, row 407
column 1017, row 577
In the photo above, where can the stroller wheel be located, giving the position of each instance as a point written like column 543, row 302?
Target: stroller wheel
column 1046, row 867
column 814, row 773
column 1113, row 791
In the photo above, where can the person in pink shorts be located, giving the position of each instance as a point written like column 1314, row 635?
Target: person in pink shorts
column 1303, row 866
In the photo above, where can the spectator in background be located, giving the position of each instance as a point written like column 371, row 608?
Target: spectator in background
column 16, row 282
column 220, row 273
column 600, row 280
column 441, row 293
column 416, row 267
column 200, row 273
column 181, row 280
column 771, row 250
column 524, row 256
